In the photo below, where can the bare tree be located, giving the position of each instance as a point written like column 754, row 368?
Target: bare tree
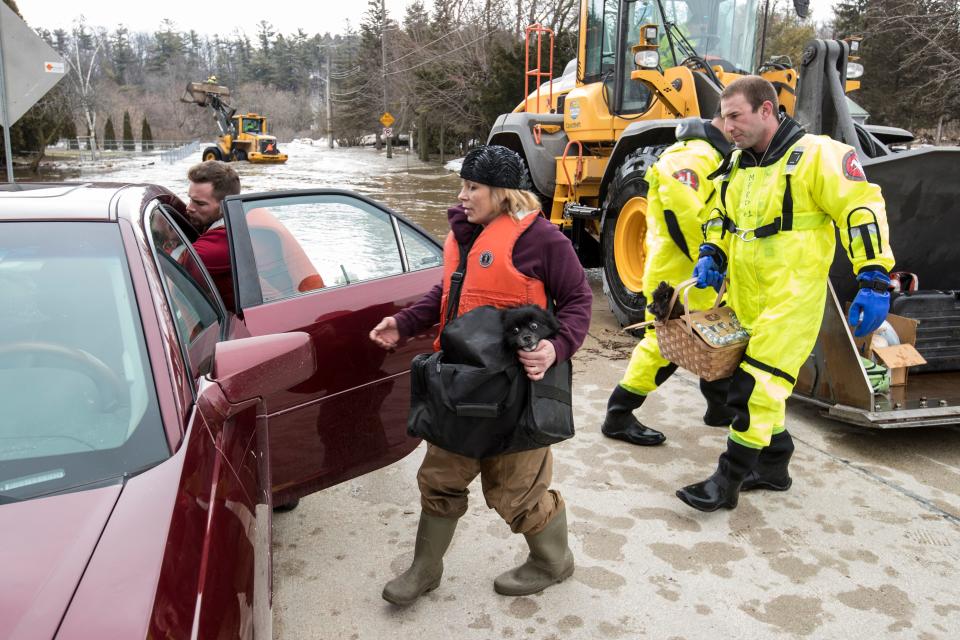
column 85, row 46
column 927, row 37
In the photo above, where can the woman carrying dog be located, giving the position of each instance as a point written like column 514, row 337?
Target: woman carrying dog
column 516, row 258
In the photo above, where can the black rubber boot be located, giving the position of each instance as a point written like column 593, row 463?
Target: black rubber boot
column 722, row 488
column 771, row 470
column 718, row 413
column 433, row 538
column 550, row 561
column 620, row 423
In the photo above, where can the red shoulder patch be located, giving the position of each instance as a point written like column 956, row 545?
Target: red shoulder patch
column 688, row 177
column 852, row 168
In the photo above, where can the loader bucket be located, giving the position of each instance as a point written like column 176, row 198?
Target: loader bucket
column 923, row 210
column 919, row 186
column 199, row 92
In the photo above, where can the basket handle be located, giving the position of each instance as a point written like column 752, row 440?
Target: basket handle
column 685, row 285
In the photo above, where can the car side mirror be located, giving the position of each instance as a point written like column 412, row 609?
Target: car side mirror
column 250, row 368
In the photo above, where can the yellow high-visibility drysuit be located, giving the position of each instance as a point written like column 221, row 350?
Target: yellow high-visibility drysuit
column 676, row 202
column 772, row 219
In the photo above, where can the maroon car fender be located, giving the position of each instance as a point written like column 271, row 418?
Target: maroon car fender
column 142, row 578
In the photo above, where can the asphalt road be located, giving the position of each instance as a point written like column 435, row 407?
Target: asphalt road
column 865, row 545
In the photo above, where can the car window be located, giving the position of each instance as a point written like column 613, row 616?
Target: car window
column 422, row 253
column 190, row 296
column 77, row 394
column 306, row 243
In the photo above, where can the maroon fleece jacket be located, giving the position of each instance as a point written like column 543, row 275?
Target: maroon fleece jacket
column 542, row 252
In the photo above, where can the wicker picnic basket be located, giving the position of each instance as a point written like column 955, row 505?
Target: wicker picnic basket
column 682, row 340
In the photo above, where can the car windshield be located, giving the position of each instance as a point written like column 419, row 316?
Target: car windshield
column 251, row 125
column 79, row 403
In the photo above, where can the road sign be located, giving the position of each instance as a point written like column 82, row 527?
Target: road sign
column 387, row 132
column 30, row 66
column 387, row 119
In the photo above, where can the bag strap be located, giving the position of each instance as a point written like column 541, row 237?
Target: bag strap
column 456, row 278
column 551, row 392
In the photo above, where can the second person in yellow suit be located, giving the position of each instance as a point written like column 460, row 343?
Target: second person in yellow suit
column 677, row 194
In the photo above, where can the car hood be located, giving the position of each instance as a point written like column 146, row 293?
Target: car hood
column 45, row 545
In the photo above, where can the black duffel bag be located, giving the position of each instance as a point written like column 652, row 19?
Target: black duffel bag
column 473, row 397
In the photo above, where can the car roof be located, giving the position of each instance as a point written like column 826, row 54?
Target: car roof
column 73, row 201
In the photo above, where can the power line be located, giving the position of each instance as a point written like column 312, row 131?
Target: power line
column 345, row 74
column 407, row 55
column 354, row 91
column 440, row 55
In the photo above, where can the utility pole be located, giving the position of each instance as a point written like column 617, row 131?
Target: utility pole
column 383, row 51
column 328, row 101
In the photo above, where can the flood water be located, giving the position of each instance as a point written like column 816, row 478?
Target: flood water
column 418, row 190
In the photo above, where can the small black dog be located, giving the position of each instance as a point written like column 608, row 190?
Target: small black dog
column 660, row 301
column 524, row 327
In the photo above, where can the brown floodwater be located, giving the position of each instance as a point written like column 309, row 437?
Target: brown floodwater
column 419, row 190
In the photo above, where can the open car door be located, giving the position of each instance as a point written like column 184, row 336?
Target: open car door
column 331, row 263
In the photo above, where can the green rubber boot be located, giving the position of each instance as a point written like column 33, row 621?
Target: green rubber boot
column 550, row 561
column 433, row 538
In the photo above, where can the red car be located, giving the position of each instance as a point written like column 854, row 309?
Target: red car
column 146, row 433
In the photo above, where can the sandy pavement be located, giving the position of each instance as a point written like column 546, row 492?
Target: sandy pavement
column 865, row 545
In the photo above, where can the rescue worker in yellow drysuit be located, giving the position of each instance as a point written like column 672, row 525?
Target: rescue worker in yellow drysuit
column 676, row 197
column 771, row 229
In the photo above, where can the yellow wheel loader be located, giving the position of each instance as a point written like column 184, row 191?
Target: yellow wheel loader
column 243, row 136
column 589, row 137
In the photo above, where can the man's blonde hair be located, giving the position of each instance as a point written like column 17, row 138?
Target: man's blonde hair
column 515, row 201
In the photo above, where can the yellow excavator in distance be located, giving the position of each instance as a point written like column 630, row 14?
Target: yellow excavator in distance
column 243, row 136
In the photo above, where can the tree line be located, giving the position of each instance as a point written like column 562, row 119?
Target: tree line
column 445, row 71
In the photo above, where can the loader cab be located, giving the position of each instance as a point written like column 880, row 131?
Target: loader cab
column 249, row 124
column 606, row 56
column 722, row 32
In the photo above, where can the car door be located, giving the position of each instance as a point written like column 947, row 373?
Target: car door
column 220, row 531
column 332, row 263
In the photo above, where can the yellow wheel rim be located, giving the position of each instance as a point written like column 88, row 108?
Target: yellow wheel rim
column 628, row 248
column 209, row 156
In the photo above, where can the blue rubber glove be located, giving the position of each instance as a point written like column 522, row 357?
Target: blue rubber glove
column 872, row 304
column 710, row 267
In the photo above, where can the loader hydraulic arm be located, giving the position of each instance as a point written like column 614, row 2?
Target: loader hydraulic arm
column 223, row 114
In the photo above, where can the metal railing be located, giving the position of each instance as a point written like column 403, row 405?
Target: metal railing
column 179, row 153
column 169, row 150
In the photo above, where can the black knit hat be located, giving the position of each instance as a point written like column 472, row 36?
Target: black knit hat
column 494, row 166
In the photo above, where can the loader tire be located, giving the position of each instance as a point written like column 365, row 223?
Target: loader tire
column 240, row 155
column 211, row 153
column 622, row 234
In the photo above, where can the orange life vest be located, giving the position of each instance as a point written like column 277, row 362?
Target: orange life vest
column 490, row 275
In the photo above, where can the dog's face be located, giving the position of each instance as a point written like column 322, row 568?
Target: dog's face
column 524, row 327
column 660, row 303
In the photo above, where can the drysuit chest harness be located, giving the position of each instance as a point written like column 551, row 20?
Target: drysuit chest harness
column 784, row 222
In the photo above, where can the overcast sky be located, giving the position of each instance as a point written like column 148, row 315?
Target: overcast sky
column 224, row 16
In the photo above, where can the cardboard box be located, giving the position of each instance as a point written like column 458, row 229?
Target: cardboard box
column 898, row 358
